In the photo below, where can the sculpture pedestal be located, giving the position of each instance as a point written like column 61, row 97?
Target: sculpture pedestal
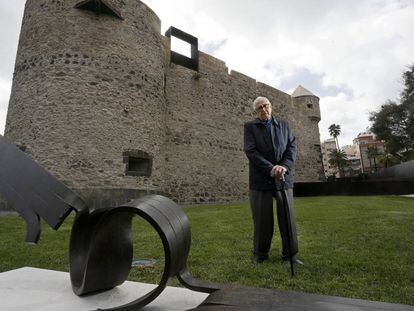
column 47, row 290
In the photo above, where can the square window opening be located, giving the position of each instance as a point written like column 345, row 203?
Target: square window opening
column 181, row 47
column 138, row 165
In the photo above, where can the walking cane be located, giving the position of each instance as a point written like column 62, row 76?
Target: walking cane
column 288, row 224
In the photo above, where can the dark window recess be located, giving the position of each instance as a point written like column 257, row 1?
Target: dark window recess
column 99, row 7
column 310, row 105
column 138, row 163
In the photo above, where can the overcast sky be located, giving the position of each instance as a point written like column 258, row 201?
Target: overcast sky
column 349, row 53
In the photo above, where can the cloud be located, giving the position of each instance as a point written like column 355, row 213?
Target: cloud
column 211, row 47
column 371, row 52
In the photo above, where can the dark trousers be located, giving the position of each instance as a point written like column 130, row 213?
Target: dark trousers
column 261, row 203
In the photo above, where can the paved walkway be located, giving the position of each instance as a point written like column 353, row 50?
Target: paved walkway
column 8, row 213
column 46, row 290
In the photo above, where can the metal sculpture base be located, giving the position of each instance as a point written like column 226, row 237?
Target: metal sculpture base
column 259, row 299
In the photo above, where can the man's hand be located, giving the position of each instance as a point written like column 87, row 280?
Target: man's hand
column 278, row 171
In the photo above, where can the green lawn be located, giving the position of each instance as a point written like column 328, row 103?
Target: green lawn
column 359, row 247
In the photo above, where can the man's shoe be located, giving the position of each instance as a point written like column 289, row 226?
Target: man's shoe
column 259, row 259
column 295, row 260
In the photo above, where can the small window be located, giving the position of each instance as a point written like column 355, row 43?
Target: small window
column 310, row 105
column 138, row 163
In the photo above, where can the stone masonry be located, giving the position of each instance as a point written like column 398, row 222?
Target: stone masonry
column 96, row 102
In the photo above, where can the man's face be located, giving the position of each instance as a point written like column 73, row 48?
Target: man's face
column 264, row 111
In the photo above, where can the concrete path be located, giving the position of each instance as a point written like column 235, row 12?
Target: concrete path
column 46, row 290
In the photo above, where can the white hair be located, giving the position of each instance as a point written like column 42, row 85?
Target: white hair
column 259, row 100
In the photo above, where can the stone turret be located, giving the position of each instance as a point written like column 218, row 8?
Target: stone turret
column 307, row 102
column 309, row 166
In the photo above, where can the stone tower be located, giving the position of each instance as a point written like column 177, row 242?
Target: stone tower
column 87, row 100
column 306, row 107
column 99, row 102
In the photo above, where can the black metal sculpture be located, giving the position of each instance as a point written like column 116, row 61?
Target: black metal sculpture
column 106, row 233
column 101, row 251
column 33, row 192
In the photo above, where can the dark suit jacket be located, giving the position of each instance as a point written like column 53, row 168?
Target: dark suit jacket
column 264, row 152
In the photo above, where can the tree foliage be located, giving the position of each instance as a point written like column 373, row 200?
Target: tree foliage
column 388, row 159
column 338, row 159
column 394, row 122
column 408, row 92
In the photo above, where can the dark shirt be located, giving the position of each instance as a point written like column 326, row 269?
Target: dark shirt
column 268, row 124
column 266, row 146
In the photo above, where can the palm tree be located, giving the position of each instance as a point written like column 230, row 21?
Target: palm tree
column 338, row 159
column 334, row 131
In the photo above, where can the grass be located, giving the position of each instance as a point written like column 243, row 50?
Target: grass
column 358, row 247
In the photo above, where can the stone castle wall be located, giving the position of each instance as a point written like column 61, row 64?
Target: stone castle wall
column 89, row 90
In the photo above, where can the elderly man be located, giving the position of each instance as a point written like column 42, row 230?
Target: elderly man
column 271, row 149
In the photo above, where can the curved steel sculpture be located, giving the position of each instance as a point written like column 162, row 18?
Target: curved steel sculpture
column 101, row 246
